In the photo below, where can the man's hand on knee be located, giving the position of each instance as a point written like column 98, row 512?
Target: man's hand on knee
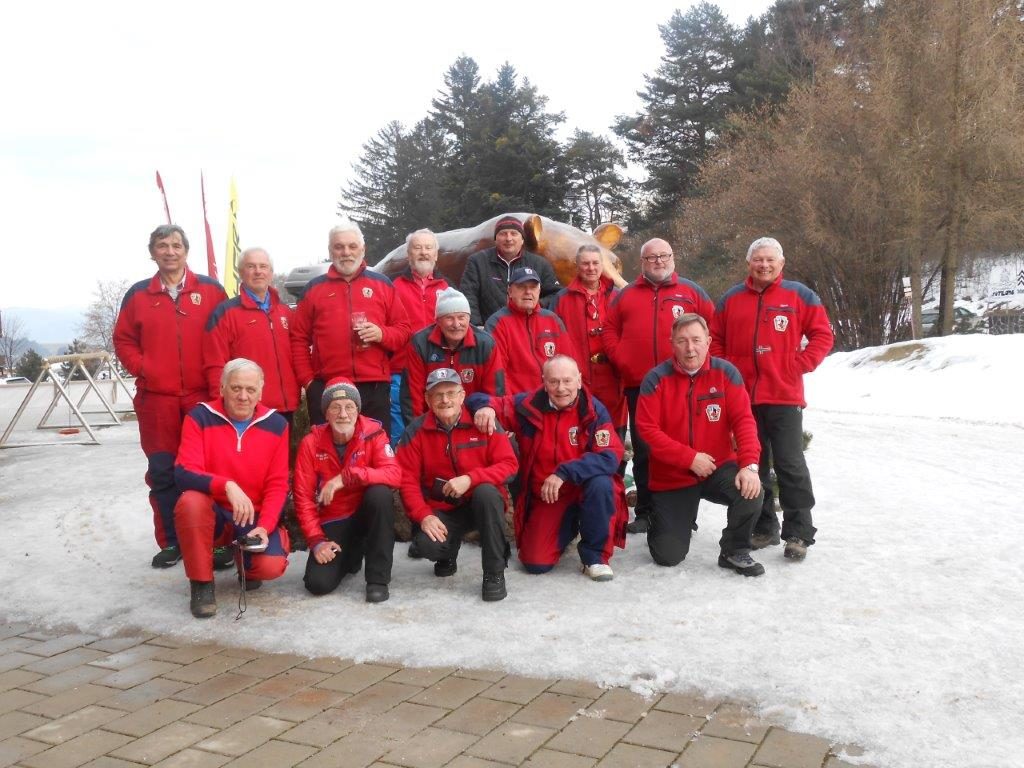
column 549, row 490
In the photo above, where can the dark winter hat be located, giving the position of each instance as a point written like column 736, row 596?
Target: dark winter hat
column 442, row 376
column 509, row 222
column 450, row 301
column 338, row 389
column 524, row 275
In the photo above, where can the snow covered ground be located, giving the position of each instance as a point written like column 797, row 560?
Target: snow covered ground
column 901, row 631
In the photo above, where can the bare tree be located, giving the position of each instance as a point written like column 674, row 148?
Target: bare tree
column 12, row 342
column 97, row 324
column 885, row 165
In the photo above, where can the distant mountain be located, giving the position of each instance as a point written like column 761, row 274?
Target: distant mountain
column 49, row 327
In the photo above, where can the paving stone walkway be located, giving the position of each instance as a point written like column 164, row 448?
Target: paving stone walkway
column 69, row 700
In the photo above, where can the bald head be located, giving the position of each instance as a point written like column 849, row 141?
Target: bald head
column 562, row 380
column 657, row 261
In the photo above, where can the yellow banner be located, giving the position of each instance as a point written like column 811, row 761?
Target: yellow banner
column 233, row 250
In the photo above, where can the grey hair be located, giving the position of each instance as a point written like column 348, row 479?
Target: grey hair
column 765, row 242
column 424, row 231
column 558, row 358
column 166, row 230
column 689, row 318
column 346, row 225
column 232, row 367
column 654, row 239
column 587, row 248
column 247, row 251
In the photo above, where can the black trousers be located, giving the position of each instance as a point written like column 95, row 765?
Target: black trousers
column 674, row 512
column 375, row 397
column 484, row 512
column 780, row 428
column 370, row 532
column 641, row 454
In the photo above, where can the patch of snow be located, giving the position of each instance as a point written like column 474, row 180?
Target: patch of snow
column 900, row 632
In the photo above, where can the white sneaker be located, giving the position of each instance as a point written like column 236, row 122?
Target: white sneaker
column 598, row 572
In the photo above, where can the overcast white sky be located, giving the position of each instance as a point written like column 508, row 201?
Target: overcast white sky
column 98, row 96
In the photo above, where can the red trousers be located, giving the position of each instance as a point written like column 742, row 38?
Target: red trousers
column 203, row 525
column 545, row 530
column 160, row 418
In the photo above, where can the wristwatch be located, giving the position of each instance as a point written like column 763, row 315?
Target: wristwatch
column 752, row 467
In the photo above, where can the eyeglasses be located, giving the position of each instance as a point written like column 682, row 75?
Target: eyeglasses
column 658, row 257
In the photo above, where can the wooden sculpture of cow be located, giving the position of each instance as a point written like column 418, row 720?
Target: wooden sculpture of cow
column 551, row 239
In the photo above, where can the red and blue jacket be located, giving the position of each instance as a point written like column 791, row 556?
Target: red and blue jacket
column 212, row 453
column 525, row 342
column 680, row 415
column 159, row 340
column 419, row 297
column 476, row 360
column 761, row 333
column 428, row 451
column 367, row 459
column 239, row 328
column 323, row 343
column 575, row 443
column 638, row 332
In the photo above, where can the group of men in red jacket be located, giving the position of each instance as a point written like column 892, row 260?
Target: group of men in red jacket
column 378, row 357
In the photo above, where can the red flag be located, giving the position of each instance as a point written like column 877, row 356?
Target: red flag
column 211, row 261
column 163, row 192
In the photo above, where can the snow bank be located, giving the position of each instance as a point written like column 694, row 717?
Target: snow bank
column 900, row 632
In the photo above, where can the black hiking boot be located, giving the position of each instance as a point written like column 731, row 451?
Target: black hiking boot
column 223, row 558
column 742, row 563
column 167, row 557
column 444, row 568
column 203, row 603
column 377, row 593
column 493, row 587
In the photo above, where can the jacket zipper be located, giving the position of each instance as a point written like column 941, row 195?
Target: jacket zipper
column 277, row 357
column 757, row 330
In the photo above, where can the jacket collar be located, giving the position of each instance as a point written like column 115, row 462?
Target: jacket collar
column 365, row 428
column 248, row 302
column 673, row 279
column 749, row 282
column 217, row 408
column 436, row 337
column 190, row 283
column 604, row 287
column 334, row 274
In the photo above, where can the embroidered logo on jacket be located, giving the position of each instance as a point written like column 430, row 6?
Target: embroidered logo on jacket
column 367, row 292
column 781, row 323
column 549, row 348
column 574, row 435
column 677, row 310
column 602, row 438
column 714, row 412
column 197, row 298
column 284, row 322
column 467, row 374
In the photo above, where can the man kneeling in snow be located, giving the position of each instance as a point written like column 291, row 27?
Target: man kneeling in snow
column 344, row 474
column 453, row 481
column 232, row 469
column 568, row 473
column 690, row 410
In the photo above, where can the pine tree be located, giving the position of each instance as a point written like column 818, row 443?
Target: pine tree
column 78, row 347
column 30, row 365
column 686, row 102
column 598, row 190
